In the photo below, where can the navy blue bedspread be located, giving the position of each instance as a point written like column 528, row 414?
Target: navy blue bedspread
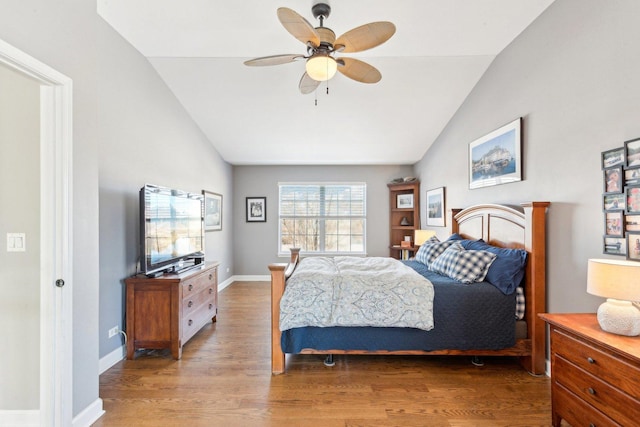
column 476, row 316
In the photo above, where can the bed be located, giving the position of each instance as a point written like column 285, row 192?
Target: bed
column 513, row 227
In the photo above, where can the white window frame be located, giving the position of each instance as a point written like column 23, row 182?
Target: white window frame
column 325, row 253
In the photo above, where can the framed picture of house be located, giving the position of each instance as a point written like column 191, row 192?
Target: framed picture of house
column 256, row 209
column 404, row 201
column 613, row 158
column 212, row 211
column 496, row 157
column 435, row 207
column 632, row 152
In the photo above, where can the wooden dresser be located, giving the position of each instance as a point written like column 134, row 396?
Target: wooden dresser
column 166, row 311
column 595, row 375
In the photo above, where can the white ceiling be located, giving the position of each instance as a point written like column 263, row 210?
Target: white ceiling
column 256, row 115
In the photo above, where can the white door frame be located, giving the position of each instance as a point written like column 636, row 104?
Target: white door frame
column 56, row 112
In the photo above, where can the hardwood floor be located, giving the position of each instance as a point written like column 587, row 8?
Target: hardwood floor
column 224, row 379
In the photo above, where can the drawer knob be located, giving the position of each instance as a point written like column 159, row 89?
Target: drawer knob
column 190, row 304
column 591, row 391
column 190, row 287
column 590, row 360
column 190, row 322
column 592, row 425
column 210, row 290
column 210, row 306
column 210, row 276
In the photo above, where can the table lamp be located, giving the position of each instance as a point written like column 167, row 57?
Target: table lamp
column 619, row 282
column 422, row 236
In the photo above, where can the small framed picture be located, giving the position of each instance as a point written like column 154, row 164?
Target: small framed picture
column 405, row 201
column 613, row 180
column 632, row 197
column 632, row 223
column 633, row 246
column 613, row 202
column 614, row 246
column 632, row 152
column 256, row 209
column 212, row 211
column 613, row 224
column 612, row 158
column 435, row 207
column 632, row 176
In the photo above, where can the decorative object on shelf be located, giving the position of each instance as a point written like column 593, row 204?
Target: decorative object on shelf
column 256, row 209
column 405, row 201
column 212, row 211
column 619, row 282
column 435, row 207
column 422, row 236
column 405, row 221
column 495, row 158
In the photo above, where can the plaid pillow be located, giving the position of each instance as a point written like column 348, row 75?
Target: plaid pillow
column 463, row 266
column 431, row 249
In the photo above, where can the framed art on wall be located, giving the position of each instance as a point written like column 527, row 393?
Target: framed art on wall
column 632, row 152
column 613, row 202
column 615, row 246
column 212, row 211
column 612, row 158
column 632, row 197
column 256, row 209
column 613, row 224
column 496, row 157
column 613, row 180
column 435, row 207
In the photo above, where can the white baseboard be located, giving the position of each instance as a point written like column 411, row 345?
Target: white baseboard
column 89, row 415
column 20, row 418
column 256, row 278
column 112, row 358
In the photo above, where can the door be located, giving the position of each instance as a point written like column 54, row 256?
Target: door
column 50, row 238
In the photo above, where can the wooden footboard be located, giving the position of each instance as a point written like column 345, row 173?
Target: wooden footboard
column 522, row 227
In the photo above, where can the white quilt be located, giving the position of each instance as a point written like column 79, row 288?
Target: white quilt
column 352, row 291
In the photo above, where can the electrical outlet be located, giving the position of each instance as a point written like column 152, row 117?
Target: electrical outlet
column 113, row 331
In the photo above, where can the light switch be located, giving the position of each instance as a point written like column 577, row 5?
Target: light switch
column 16, row 242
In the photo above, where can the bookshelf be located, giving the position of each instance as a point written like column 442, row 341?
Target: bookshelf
column 404, row 217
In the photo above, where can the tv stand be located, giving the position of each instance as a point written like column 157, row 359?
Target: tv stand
column 166, row 311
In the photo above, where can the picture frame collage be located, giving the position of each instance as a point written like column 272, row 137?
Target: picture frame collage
column 621, row 200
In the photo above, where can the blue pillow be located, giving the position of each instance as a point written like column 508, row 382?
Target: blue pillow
column 508, row 269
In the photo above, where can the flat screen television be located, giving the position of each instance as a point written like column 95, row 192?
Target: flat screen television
column 171, row 229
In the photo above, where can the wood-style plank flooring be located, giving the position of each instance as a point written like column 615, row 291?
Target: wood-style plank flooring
column 224, row 379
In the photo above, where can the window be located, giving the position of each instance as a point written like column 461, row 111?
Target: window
column 323, row 218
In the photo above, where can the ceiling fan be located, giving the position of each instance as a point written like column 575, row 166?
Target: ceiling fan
column 322, row 45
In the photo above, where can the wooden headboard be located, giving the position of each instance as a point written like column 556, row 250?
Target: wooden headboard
column 522, row 227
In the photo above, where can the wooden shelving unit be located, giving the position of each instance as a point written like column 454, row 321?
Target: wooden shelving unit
column 408, row 191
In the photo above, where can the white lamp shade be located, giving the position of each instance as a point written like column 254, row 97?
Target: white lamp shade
column 609, row 278
column 422, row 236
column 321, row 67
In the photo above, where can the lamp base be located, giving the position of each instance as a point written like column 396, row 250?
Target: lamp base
column 619, row 317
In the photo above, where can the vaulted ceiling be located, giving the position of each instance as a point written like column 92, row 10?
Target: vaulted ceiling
column 257, row 115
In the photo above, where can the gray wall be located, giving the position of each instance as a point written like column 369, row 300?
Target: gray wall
column 128, row 129
column 256, row 243
column 573, row 77
column 20, row 213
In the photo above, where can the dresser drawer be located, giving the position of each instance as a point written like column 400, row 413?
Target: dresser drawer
column 197, row 283
column 194, row 321
column 596, row 392
column 193, row 301
column 576, row 411
column 615, row 370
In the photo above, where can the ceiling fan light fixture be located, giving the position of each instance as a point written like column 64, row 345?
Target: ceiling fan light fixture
column 321, row 67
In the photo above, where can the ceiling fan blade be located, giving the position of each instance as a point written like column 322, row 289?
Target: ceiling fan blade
column 358, row 70
column 365, row 37
column 307, row 84
column 272, row 60
column 299, row 27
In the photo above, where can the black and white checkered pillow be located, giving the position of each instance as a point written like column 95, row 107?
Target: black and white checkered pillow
column 431, row 249
column 520, row 303
column 463, row 266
